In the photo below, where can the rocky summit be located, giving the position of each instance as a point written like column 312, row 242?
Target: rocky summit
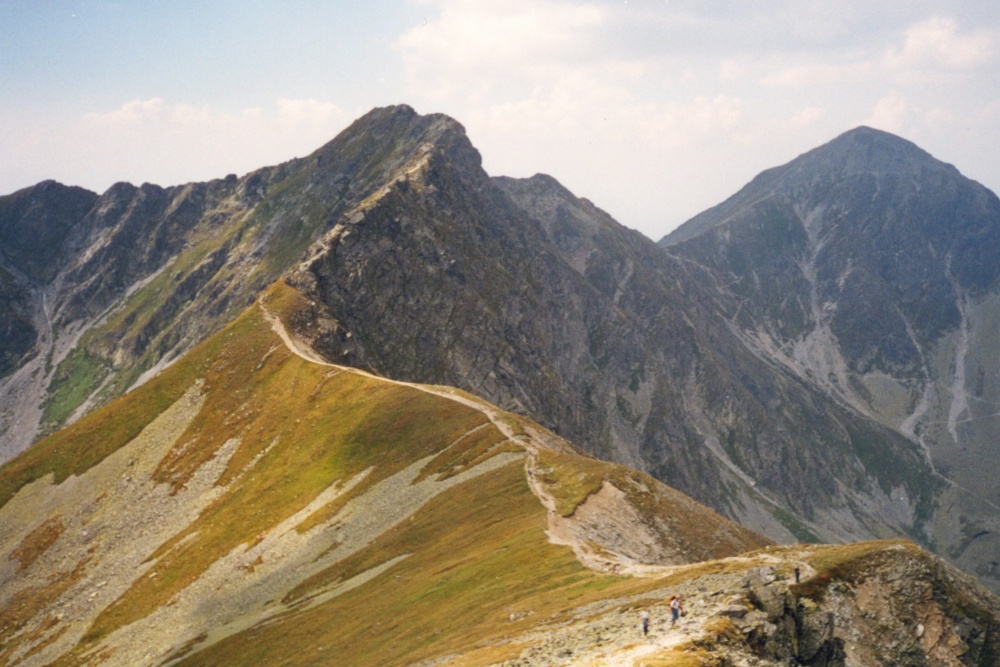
column 218, row 401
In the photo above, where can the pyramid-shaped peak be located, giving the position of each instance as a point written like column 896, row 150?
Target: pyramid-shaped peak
column 868, row 150
column 864, row 137
column 862, row 153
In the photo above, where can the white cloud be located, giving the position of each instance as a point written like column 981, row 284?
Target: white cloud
column 939, row 117
column 816, row 73
column 474, row 34
column 493, row 43
column 936, row 42
column 889, row 113
column 130, row 114
column 310, row 112
column 186, row 114
column 988, row 114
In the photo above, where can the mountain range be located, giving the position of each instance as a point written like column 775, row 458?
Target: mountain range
column 813, row 359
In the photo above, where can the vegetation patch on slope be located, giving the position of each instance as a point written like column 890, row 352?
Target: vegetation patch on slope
column 479, row 569
column 75, row 379
column 76, row 448
column 37, row 542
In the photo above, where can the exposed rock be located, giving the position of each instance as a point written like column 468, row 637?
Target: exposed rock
column 867, row 268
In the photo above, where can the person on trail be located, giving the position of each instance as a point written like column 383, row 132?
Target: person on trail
column 675, row 609
column 645, row 622
column 797, row 574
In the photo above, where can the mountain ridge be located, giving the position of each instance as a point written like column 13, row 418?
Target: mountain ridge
column 418, row 265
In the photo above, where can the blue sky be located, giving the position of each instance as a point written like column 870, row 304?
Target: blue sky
column 653, row 109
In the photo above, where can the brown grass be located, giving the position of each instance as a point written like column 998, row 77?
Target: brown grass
column 843, row 563
column 37, row 542
column 29, row 603
column 343, row 424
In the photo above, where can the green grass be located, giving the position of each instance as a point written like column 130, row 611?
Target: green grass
column 476, row 553
column 76, row 378
column 82, row 445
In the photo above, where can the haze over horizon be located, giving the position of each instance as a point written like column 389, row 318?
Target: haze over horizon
column 654, row 110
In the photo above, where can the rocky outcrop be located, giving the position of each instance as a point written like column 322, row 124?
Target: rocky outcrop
column 888, row 606
column 865, row 605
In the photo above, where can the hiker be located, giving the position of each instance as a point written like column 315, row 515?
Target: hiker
column 797, row 574
column 645, row 622
column 675, row 609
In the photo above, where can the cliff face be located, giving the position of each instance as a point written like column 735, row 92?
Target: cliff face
column 867, row 268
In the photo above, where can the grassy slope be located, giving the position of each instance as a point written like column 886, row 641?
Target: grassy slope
column 469, row 570
column 473, row 555
column 343, row 424
column 477, row 554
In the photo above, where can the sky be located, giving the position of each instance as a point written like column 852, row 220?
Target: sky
column 653, row 109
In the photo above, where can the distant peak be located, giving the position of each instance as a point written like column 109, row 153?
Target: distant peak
column 869, row 136
column 544, row 181
column 866, row 131
column 867, row 150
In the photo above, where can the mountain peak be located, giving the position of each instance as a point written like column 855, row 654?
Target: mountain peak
column 867, row 150
column 386, row 138
column 403, row 120
column 862, row 151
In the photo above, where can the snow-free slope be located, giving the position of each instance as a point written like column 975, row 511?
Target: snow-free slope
column 248, row 487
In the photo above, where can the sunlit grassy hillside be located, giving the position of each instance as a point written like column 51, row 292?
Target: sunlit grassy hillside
column 251, row 506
